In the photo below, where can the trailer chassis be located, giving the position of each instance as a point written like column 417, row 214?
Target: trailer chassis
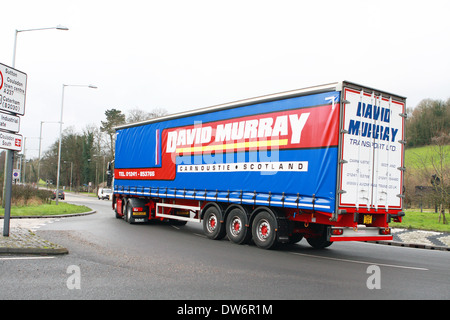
column 266, row 226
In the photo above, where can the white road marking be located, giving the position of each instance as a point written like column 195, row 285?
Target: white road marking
column 361, row 262
column 26, row 258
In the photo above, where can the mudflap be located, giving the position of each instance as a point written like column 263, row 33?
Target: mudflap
column 283, row 229
column 139, row 211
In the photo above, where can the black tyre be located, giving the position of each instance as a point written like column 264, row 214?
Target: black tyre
column 237, row 226
column 212, row 227
column 294, row 238
column 129, row 213
column 321, row 241
column 124, row 209
column 264, row 230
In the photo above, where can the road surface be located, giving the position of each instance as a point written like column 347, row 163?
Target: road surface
column 111, row 259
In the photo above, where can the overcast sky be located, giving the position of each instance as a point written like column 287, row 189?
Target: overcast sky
column 182, row 55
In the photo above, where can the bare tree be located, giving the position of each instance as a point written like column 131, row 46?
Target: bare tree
column 441, row 166
column 434, row 167
column 137, row 115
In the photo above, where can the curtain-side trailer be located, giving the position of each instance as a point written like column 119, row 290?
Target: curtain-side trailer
column 325, row 163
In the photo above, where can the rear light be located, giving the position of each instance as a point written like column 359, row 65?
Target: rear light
column 385, row 231
column 337, row 232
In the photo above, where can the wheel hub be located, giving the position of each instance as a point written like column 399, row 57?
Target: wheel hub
column 212, row 223
column 235, row 226
column 263, row 230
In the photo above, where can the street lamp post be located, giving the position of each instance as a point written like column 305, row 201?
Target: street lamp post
column 40, row 147
column 60, row 131
column 71, row 173
column 25, row 156
column 58, row 27
column 9, row 159
column 103, row 168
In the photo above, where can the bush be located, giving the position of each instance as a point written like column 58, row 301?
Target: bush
column 24, row 195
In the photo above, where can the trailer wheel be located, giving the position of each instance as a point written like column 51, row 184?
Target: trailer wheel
column 129, row 213
column 294, row 238
column 321, row 241
column 264, row 230
column 212, row 227
column 124, row 209
column 237, row 226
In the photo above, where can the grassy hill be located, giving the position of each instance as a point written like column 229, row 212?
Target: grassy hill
column 420, row 157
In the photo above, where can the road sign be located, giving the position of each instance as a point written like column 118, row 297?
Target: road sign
column 16, row 174
column 9, row 122
column 13, row 86
column 11, row 141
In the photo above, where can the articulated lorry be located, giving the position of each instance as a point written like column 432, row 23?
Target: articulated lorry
column 324, row 163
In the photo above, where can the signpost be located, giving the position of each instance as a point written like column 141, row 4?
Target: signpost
column 13, row 86
column 9, row 122
column 10, row 141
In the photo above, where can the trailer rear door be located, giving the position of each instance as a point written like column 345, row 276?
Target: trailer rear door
column 372, row 149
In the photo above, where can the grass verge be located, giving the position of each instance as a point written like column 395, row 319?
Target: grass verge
column 414, row 219
column 46, row 209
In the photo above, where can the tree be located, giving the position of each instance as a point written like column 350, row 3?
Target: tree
column 432, row 171
column 429, row 119
column 88, row 142
column 440, row 180
column 114, row 118
column 137, row 115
